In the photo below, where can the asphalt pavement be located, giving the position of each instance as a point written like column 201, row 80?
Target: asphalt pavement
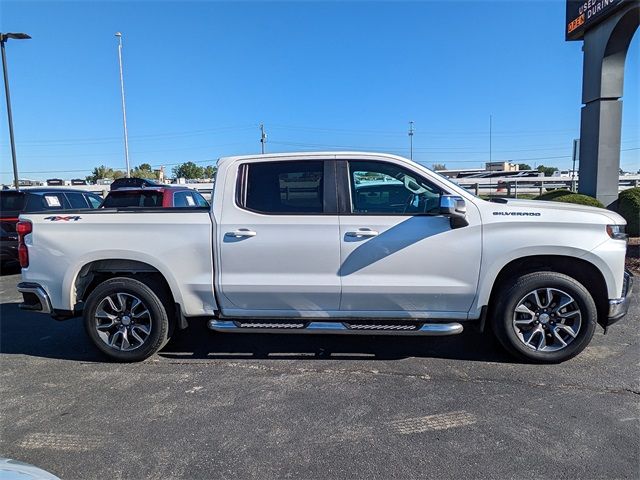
column 248, row 406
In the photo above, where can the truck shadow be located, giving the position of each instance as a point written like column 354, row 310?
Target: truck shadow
column 11, row 269
column 199, row 343
column 25, row 333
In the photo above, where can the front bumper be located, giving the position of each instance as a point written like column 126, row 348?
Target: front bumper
column 618, row 307
column 35, row 298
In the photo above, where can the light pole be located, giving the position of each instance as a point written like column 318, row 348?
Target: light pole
column 3, row 38
column 124, row 108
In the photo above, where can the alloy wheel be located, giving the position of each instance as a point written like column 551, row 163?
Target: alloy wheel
column 547, row 319
column 123, row 321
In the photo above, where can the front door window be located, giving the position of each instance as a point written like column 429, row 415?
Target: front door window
column 379, row 188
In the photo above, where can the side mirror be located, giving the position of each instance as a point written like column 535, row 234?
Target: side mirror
column 455, row 208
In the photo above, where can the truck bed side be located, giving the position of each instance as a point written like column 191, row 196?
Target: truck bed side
column 176, row 243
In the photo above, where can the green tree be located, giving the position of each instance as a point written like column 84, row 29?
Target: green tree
column 438, row 166
column 548, row 171
column 104, row 172
column 144, row 171
column 209, row 171
column 188, row 170
column 524, row 166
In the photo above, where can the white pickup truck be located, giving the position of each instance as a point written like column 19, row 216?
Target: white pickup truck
column 348, row 243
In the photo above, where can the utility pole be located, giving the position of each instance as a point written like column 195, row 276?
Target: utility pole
column 124, row 108
column 576, row 157
column 411, row 140
column 3, row 39
column 490, row 137
column 263, row 137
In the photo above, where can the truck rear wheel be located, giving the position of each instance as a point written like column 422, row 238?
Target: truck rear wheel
column 126, row 319
column 545, row 317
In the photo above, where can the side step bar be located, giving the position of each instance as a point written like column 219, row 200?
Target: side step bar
column 362, row 328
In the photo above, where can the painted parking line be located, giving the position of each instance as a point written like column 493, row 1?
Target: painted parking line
column 60, row 441
column 440, row 421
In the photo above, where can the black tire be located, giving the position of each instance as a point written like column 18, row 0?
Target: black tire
column 157, row 318
column 510, row 295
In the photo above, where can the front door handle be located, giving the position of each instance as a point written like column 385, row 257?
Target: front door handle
column 241, row 232
column 362, row 232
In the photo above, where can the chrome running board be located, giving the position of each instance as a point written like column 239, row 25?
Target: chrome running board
column 361, row 328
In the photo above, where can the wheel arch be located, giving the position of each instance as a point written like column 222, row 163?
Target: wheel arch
column 583, row 271
column 94, row 272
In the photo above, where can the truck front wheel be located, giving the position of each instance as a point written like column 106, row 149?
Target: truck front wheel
column 126, row 320
column 545, row 317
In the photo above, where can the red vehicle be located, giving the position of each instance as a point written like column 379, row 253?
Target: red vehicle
column 150, row 197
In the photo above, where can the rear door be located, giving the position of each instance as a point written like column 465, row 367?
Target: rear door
column 279, row 239
column 400, row 257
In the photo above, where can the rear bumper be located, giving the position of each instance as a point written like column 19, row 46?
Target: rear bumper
column 35, row 298
column 618, row 307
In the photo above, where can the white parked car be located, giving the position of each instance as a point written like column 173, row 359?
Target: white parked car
column 351, row 243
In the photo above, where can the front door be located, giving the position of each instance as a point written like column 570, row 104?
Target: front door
column 280, row 248
column 400, row 258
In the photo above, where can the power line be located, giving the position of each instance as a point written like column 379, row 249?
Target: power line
column 154, row 136
column 427, row 132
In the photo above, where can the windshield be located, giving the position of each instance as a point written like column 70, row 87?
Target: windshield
column 455, row 182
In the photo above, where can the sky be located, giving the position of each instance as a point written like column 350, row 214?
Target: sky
column 200, row 77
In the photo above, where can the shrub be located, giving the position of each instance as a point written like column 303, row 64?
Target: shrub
column 553, row 194
column 579, row 199
column 629, row 208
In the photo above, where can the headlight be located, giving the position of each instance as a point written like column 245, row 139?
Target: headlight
column 616, row 232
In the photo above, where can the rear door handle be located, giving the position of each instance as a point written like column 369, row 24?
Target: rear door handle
column 241, row 232
column 362, row 232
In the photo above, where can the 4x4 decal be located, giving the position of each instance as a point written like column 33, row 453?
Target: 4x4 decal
column 57, row 218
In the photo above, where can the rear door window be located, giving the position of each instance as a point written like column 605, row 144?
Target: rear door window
column 46, row 201
column 94, row 200
column 200, row 200
column 77, row 200
column 183, row 199
column 292, row 187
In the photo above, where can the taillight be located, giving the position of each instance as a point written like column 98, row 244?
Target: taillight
column 23, row 228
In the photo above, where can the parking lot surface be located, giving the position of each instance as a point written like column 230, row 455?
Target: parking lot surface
column 244, row 406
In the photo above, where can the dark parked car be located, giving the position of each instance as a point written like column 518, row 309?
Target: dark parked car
column 164, row 197
column 13, row 203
